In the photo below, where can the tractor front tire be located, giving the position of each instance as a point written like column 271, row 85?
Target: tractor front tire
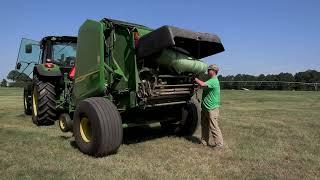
column 65, row 122
column 27, row 100
column 97, row 127
column 44, row 110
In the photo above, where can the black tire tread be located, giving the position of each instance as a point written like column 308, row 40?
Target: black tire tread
column 188, row 127
column 27, row 101
column 185, row 127
column 109, row 122
column 47, row 112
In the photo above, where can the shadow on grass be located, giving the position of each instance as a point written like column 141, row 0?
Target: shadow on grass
column 134, row 135
column 23, row 115
column 140, row 134
column 193, row 139
column 73, row 144
column 145, row 133
column 65, row 137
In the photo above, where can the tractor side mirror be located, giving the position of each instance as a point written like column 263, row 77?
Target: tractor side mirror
column 29, row 48
column 18, row 66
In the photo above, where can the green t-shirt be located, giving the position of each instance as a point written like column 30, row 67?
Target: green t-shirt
column 211, row 95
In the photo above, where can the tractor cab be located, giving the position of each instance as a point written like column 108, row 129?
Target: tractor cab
column 50, row 51
column 60, row 51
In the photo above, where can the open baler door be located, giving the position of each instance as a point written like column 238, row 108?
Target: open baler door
column 168, row 58
column 89, row 79
column 197, row 45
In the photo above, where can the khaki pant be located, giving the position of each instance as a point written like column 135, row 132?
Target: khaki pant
column 209, row 124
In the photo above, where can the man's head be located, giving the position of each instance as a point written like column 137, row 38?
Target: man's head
column 213, row 70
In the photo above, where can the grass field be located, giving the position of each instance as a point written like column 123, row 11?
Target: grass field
column 268, row 135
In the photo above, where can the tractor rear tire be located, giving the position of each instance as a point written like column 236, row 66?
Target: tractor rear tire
column 97, row 127
column 44, row 110
column 27, row 102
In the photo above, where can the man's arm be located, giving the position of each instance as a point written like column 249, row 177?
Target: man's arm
column 201, row 83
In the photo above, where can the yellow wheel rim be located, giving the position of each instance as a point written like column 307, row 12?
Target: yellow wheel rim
column 61, row 123
column 35, row 102
column 85, row 129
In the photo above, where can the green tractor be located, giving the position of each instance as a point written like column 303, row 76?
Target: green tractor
column 125, row 75
column 45, row 63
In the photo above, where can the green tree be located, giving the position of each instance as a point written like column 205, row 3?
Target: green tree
column 4, row 83
column 286, row 77
column 309, row 76
column 15, row 75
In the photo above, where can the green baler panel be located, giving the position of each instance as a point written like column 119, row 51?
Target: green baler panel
column 143, row 31
column 124, row 55
column 89, row 76
column 121, row 53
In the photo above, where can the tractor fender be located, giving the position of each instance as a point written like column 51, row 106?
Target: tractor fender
column 42, row 70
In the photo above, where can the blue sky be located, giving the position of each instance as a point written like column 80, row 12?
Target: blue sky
column 269, row 36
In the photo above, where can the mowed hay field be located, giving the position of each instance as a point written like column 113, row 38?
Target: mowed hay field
column 268, row 135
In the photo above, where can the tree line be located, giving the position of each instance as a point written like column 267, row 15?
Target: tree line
column 275, row 81
column 238, row 81
column 16, row 78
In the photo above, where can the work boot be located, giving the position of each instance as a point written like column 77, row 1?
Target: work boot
column 203, row 142
column 216, row 146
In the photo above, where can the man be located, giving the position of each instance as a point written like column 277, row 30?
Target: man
column 210, row 108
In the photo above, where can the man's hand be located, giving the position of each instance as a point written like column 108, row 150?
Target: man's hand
column 201, row 83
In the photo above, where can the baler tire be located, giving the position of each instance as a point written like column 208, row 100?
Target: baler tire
column 44, row 110
column 188, row 126
column 169, row 126
column 27, row 100
column 97, row 127
column 185, row 126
